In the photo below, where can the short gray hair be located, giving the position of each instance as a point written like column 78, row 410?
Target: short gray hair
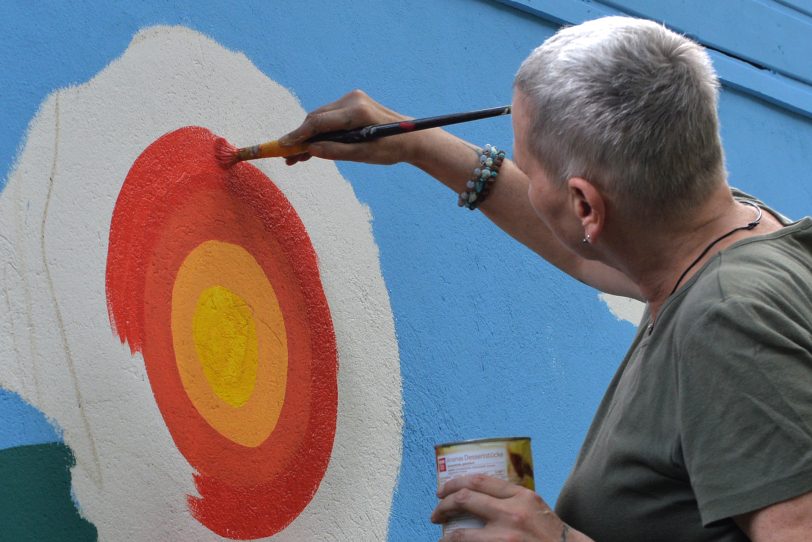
column 630, row 106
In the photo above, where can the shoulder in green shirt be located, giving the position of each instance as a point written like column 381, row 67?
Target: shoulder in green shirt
column 710, row 414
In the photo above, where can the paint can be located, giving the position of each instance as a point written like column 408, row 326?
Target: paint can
column 508, row 458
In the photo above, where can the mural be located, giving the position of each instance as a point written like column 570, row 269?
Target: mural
column 35, row 496
column 259, row 379
column 189, row 353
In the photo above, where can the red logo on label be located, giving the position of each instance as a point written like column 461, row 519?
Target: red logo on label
column 441, row 461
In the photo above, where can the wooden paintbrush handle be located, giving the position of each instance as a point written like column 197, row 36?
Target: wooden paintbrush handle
column 271, row 149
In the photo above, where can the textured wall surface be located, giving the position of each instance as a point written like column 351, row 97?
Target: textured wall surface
column 444, row 327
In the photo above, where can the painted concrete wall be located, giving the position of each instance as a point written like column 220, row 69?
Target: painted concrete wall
column 416, row 322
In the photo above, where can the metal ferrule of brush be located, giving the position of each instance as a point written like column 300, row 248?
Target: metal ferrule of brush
column 249, row 153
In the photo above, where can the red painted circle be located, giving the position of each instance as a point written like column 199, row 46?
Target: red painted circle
column 175, row 197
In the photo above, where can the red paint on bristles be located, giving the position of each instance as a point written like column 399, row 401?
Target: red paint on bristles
column 226, row 153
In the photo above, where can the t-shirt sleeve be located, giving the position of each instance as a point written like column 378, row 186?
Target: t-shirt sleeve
column 745, row 407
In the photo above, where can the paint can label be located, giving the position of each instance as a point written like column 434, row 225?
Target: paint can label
column 504, row 458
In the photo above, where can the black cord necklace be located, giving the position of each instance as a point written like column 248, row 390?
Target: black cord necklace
column 748, row 226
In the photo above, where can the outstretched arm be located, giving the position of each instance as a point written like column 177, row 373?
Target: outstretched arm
column 451, row 160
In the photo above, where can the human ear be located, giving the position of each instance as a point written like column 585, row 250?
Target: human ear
column 588, row 206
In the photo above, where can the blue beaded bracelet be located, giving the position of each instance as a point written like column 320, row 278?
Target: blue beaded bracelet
column 482, row 178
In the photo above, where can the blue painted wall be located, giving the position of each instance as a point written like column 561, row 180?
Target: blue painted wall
column 23, row 425
column 493, row 341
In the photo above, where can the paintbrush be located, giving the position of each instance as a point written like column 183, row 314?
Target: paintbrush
column 228, row 155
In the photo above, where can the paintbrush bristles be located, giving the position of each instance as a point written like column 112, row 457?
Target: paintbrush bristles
column 226, row 153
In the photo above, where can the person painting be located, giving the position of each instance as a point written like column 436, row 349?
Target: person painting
column 618, row 179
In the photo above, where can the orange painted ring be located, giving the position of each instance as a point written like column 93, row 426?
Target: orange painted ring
column 232, row 267
column 203, row 446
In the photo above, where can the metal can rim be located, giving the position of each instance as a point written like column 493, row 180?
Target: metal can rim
column 480, row 441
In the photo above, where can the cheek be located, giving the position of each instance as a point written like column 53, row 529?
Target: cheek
column 538, row 200
column 548, row 208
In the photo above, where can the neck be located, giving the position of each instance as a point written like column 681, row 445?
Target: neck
column 656, row 258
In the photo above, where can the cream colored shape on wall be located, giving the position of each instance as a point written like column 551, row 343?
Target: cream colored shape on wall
column 624, row 308
column 60, row 353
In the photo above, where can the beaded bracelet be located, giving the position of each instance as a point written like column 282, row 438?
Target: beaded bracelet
column 479, row 185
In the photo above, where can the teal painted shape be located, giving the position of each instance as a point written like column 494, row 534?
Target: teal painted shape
column 35, row 496
column 21, row 424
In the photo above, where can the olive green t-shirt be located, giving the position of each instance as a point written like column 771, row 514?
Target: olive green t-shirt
column 710, row 414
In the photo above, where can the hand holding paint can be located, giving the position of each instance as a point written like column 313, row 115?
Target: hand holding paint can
column 508, row 459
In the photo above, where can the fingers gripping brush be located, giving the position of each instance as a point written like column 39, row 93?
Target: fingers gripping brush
column 228, row 155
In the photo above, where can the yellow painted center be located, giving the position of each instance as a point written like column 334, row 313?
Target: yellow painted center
column 225, row 338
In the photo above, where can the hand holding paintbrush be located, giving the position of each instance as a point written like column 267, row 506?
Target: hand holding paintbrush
column 229, row 155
